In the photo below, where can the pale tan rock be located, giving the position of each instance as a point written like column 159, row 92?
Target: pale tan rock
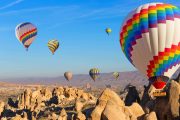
column 35, row 94
column 129, row 114
column 91, row 97
column 27, row 98
column 135, row 110
column 78, row 105
column 85, row 96
column 3, row 118
column 79, row 93
column 111, row 95
column 58, row 91
column 17, row 117
column 2, row 104
column 80, row 116
column 46, row 92
column 72, row 117
column 174, row 99
column 96, row 113
column 21, row 101
column 63, row 115
column 113, row 112
column 53, row 116
column 107, row 95
column 150, row 116
column 33, row 116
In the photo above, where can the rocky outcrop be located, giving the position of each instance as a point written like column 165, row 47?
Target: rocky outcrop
column 134, row 111
column 79, row 105
column 167, row 108
column 47, row 103
column 17, row 117
column 102, row 101
column 80, row 116
column 63, row 115
column 113, row 112
column 174, row 99
column 150, row 116
column 2, row 104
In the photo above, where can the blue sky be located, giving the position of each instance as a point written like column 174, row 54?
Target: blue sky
column 77, row 24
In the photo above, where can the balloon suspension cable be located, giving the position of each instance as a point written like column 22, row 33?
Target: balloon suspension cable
column 178, row 77
column 27, row 49
column 167, row 84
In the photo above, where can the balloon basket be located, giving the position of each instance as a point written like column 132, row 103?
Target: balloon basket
column 159, row 94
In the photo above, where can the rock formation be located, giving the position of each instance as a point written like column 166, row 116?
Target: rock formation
column 80, row 116
column 63, row 115
column 62, row 103
column 112, row 111
column 150, row 116
column 102, row 101
column 168, row 107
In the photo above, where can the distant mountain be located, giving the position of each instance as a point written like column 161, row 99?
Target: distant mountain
column 132, row 77
column 125, row 78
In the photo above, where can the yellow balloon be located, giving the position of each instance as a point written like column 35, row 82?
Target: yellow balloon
column 53, row 45
column 108, row 30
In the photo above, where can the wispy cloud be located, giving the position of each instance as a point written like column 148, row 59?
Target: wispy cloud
column 96, row 14
column 49, row 8
column 73, row 13
column 11, row 4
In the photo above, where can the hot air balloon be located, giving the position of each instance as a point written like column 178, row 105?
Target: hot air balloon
column 94, row 73
column 150, row 40
column 26, row 33
column 53, row 45
column 68, row 75
column 116, row 75
column 108, row 30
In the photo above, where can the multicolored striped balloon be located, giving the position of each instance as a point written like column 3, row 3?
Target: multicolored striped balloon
column 94, row 73
column 150, row 39
column 53, row 45
column 26, row 33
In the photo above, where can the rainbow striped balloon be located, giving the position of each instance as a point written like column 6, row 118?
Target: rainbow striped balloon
column 150, row 39
column 26, row 33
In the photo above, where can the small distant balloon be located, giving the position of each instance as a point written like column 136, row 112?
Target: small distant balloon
column 116, row 75
column 94, row 73
column 26, row 33
column 108, row 30
column 68, row 75
column 53, row 45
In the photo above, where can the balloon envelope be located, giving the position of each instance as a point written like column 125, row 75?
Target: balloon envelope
column 68, row 75
column 53, row 45
column 108, row 30
column 26, row 33
column 94, row 73
column 150, row 40
column 116, row 75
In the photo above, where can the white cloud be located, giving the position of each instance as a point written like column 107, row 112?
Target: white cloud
column 64, row 8
column 11, row 4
